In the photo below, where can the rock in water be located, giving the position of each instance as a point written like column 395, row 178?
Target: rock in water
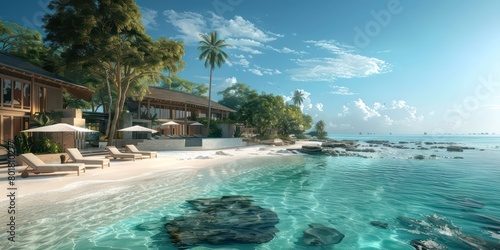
column 379, row 224
column 425, row 245
column 317, row 235
column 226, row 220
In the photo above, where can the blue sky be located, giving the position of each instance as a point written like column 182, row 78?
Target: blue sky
column 365, row 66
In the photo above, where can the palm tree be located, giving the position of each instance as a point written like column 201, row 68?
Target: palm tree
column 298, row 97
column 213, row 54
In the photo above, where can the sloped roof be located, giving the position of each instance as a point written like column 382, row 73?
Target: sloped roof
column 20, row 66
column 180, row 98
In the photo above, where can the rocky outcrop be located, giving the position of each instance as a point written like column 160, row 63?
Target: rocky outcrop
column 226, row 220
column 454, row 149
column 319, row 235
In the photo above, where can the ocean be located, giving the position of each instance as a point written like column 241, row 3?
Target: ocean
column 447, row 200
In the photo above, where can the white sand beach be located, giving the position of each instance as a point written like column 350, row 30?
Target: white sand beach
column 65, row 185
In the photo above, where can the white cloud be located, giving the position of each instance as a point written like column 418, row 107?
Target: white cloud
column 319, row 106
column 345, row 63
column 341, row 90
column 239, row 27
column 361, row 117
column 249, row 50
column 264, row 71
column 332, row 46
column 240, row 33
column 189, row 24
column 149, row 18
column 367, row 111
column 243, row 42
column 228, row 82
column 256, row 71
column 243, row 62
column 239, row 56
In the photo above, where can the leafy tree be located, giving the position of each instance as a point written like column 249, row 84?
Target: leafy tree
column 23, row 43
column 263, row 112
column 298, row 97
column 212, row 51
column 293, row 121
column 319, row 128
column 307, row 122
column 108, row 37
column 236, row 95
column 184, row 85
column 28, row 45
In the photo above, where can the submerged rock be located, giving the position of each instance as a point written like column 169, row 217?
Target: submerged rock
column 226, row 220
column 318, row 235
column 419, row 157
column 478, row 243
column 425, row 245
column 379, row 224
column 454, row 149
column 441, row 223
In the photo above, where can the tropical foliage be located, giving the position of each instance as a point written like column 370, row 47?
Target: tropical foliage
column 212, row 51
column 270, row 115
column 298, row 97
column 319, row 130
column 108, row 38
column 24, row 43
column 183, row 85
column 24, row 143
column 236, row 95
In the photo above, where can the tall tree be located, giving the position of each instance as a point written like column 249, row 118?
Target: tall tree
column 236, row 95
column 24, row 43
column 298, row 97
column 320, row 129
column 108, row 37
column 212, row 51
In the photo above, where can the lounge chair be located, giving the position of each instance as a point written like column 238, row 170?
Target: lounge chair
column 38, row 166
column 132, row 149
column 77, row 157
column 115, row 153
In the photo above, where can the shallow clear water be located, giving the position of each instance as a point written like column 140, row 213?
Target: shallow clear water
column 341, row 192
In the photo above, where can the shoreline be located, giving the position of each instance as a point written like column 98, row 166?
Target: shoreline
column 176, row 163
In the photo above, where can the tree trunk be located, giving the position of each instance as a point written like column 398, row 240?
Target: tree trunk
column 209, row 101
column 110, row 103
column 112, row 129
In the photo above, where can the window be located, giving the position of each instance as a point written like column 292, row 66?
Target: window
column 7, row 92
column 18, row 94
column 42, row 99
column 27, row 95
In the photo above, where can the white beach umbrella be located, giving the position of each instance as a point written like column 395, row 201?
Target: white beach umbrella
column 196, row 124
column 169, row 123
column 59, row 127
column 138, row 128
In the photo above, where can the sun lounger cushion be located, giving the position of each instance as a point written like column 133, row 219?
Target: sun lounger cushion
column 77, row 157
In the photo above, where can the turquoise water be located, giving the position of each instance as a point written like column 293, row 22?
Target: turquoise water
column 341, row 192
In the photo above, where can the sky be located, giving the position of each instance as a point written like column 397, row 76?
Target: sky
column 401, row 67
